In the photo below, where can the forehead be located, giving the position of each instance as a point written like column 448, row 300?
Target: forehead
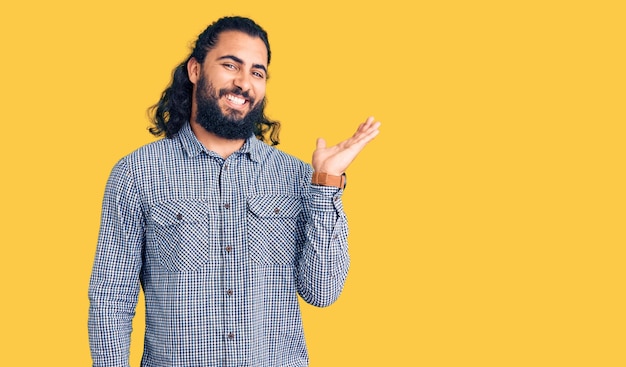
column 250, row 49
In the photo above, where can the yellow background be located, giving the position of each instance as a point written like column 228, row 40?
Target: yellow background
column 487, row 219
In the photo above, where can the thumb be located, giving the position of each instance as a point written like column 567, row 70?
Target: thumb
column 321, row 143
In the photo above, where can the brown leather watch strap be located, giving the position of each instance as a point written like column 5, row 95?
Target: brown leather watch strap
column 324, row 179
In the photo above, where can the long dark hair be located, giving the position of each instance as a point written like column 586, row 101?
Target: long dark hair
column 174, row 108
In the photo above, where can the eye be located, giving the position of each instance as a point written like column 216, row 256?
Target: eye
column 258, row 74
column 229, row 66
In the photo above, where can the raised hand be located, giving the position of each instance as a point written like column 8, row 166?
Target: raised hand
column 335, row 160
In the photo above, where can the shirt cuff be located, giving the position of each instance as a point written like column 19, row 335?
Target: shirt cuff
column 326, row 198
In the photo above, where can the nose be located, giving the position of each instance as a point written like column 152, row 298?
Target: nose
column 242, row 81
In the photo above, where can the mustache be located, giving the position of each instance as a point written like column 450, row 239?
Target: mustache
column 236, row 91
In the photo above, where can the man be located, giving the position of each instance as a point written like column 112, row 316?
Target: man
column 221, row 230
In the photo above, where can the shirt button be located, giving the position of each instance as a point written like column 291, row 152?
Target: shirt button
column 229, row 292
column 179, row 216
column 229, row 248
column 231, row 336
column 276, row 210
column 227, row 206
column 336, row 198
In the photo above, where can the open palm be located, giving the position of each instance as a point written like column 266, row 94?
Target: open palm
column 335, row 160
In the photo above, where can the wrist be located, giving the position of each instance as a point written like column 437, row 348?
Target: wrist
column 325, row 179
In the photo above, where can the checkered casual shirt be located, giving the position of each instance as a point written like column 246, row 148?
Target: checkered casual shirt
column 221, row 249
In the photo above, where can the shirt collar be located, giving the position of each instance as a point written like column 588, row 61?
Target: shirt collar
column 252, row 147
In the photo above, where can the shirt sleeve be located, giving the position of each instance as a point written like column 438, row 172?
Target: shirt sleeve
column 114, row 284
column 323, row 266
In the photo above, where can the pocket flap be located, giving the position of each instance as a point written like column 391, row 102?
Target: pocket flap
column 275, row 206
column 176, row 212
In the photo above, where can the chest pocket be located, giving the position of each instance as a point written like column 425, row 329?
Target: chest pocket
column 182, row 235
column 275, row 229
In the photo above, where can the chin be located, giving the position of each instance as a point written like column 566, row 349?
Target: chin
column 235, row 116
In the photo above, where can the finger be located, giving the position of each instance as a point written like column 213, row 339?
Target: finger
column 369, row 122
column 365, row 124
column 363, row 127
column 367, row 129
column 321, row 143
column 366, row 136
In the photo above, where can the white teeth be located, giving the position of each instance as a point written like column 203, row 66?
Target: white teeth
column 235, row 99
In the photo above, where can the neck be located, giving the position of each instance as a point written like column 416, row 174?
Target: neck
column 219, row 145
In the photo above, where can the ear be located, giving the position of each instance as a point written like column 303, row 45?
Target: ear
column 193, row 70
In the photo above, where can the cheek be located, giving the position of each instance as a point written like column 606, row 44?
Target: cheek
column 219, row 79
column 259, row 91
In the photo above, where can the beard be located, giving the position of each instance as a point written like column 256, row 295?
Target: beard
column 227, row 125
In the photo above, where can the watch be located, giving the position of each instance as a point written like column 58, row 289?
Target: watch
column 324, row 179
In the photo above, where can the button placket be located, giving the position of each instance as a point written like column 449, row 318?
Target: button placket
column 231, row 211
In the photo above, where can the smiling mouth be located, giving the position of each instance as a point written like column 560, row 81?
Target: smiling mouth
column 236, row 100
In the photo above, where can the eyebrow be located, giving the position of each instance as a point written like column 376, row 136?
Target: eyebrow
column 240, row 61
